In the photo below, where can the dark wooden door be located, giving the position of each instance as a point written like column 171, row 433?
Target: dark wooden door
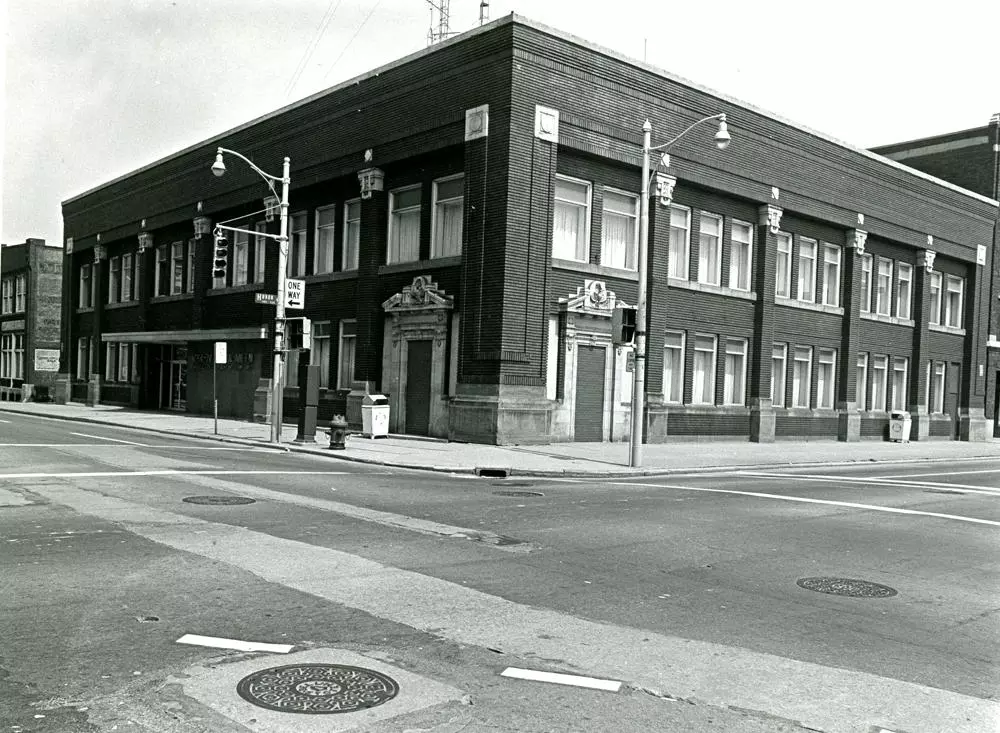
column 418, row 387
column 588, row 420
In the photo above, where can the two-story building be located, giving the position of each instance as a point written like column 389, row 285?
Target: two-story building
column 30, row 305
column 467, row 218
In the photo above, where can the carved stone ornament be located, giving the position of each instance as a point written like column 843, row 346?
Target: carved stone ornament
column 145, row 241
column 775, row 193
column 925, row 258
column 422, row 294
column 69, row 245
column 271, row 207
column 856, row 239
column 100, row 253
column 546, row 123
column 770, row 216
column 477, row 122
column 202, row 226
column 371, row 179
column 861, row 219
column 665, row 188
column 593, row 297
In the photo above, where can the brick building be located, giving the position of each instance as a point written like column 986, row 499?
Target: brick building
column 30, row 286
column 466, row 220
column 969, row 158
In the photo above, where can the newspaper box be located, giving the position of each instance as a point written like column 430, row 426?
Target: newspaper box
column 375, row 416
column 900, row 423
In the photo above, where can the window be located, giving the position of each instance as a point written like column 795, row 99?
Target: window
column 783, row 267
column 177, row 267
column 862, row 382
column 935, row 386
column 128, row 268
column 831, row 275
column 295, row 265
column 190, row 266
column 161, row 284
column 259, row 251
column 22, row 290
column 904, row 288
column 619, row 233
column 134, row 362
column 345, row 365
column 85, row 299
column 404, row 225
column 8, row 295
column 899, row 369
column 935, row 315
column 734, row 389
column 680, row 242
column 321, row 351
column 741, row 256
column 703, row 382
column 449, row 195
column 571, row 220
column 801, row 376
column 7, row 356
column 673, row 367
column 880, row 376
column 866, row 283
column 954, row 291
column 241, row 258
column 883, row 289
column 18, row 356
column 83, row 357
column 124, row 361
column 779, row 357
column 807, row 270
column 710, row 249
column 826, row 378
column 326, row 218
column 114, row 279
column 352, row 234
column 110, row 362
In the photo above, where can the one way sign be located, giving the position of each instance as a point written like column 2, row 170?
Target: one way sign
column 295, row 294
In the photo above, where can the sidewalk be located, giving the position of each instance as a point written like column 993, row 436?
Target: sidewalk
column 556, row 459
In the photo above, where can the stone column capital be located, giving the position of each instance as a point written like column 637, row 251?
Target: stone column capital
column 202, row 226
column 856, row 239
column 100, row 253
column 145, row 241
column 769, row 215
column 925, row 259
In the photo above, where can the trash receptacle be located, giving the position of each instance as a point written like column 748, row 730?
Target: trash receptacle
column 900, row 423
column 375, row 416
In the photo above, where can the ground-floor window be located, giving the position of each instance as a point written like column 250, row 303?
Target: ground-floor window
column 900, row 366
column 345, row 364
column 936, row 371
column 673, row 366
column 825, row 378
column 801, row 376
column 734, row 392
column 83, row 357
column 321, row 351
column 880, row 379
column 862, row 386
column 12, row 356
column 779, row 359
column 703, row 378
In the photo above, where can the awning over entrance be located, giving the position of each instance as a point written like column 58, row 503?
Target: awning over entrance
column 247, row 333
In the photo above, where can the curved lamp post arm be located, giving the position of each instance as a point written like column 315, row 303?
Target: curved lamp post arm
column 268, row 178
column 722, row 131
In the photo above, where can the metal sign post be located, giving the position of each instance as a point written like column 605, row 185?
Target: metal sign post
column 220, row 358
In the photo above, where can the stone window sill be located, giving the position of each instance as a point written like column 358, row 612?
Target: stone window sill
column 716, row 289
column 325, row 277
column 171, row 298
column 247, row 288
column 834, row 310
column 603, row 270
column 84, row 310
column 420, row 265
column 946, row 329
column 117, row 306
column 896, row 321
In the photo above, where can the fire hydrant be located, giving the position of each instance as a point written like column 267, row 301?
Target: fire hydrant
column 338, row 432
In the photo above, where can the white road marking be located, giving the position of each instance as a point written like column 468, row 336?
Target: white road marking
column 6, row 421
column 942, row 473
column 171, row 472
column 113, row 440
column 105, row 445
column 871, row 481
column 828, row 502
column 561, row 679
column 243, row 646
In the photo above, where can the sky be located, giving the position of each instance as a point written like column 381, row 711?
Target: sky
column 97, row 88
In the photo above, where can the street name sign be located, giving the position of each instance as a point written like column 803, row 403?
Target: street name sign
column 220, row 352
column 265, row 298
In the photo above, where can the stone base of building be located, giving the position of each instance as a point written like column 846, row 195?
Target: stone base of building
column 63, row 390
column 849, row 425
column 94, row 390
column 921, row 427
column 262, row 401
column 355, row 399
column 974, row 427
column 501, row 415
column 762, row 422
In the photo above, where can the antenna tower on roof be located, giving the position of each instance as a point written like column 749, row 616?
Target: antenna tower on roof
column 440, row 18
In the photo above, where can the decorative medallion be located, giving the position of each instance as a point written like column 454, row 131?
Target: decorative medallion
column 100, row 251
column 219, row 500
column 547, row 123
column 317, row 688
column 846, row 587
column 477, row 122
column 421, row 293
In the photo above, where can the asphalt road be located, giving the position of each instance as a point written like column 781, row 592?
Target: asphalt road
column 685, row 589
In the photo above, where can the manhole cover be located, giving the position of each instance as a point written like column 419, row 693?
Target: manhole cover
column 846, row 587
column 219, row 500
column 518, row 493
column 317, row 688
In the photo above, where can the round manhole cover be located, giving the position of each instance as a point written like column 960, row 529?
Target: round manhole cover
column 317, row 688
column 847, row 587
column 220, row 500
column 518, row 493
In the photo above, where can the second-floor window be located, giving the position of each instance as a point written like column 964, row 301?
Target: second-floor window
column 114, row 279
column 260, row 244
column 866, row 283
column 619, row 233
column 741, row 256
column 571, row 222
column 352, row 235
column 904, row 289
column 935, row 288
column 295, row 265
column 807, row 270
column 783, row 266
column 680, row 242
column 161, row 275
column 86, row 296
column 128, row 277
column 404, row 225
column 446, row 235
column 241, row 258
column 8, row 296
column 831, row 275
column 177, row 268
column 326, row 219
column 710, row 249
column 883, row 287
column 21, row 295
column 953, row 301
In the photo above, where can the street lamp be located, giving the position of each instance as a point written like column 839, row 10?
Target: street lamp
column 277, row 381
column 639, row 376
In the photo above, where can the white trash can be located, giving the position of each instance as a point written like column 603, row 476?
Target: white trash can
column 375, row 416
column 900, row 424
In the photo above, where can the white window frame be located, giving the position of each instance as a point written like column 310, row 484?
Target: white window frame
column 783, row 286
column 259, row 252
column 241, row 258
column 176, row 273
column 395, row 214
column 797, row 380
column 124, row 363
column 861, row 386
column 779, row 354
column 880, row 382
column 351, row 249
column 83, row 357
column 323, row 248
column 437, row 204
column 298, row 235
column 161, row 265
column 831, row 282
column 631, row 250
column 899, row 397
column 812, row 247
column 679, row 267
column 575, row 256
column 937, row 372
column 345, row 381
column 904, row 290
column 7, row 284
column 741, row 280
column 114, row 279
column 678, row 350
column 952, row 316
column 190, row 265
column 128, row 277
column 936, row 299
column 883, row 306
column 321, row 333
column 20, row 292
column 6, row 355
column 110, row 361
column 867, row 270
column 86, row 293
column 714, row 277
column 826, row 387
column 697, row 399
column 734, row 391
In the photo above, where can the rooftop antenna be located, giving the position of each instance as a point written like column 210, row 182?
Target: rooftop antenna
column 484, row 11
column 440, row 16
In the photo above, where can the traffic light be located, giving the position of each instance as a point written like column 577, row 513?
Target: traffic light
column 221, row 262
column 298, row 332
column 622, row 326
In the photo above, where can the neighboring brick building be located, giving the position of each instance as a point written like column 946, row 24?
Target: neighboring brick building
column 30, row 287
column 466, row 219
column 969, row 158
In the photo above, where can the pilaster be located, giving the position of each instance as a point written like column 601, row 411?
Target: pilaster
column 657, row 420
column 97, row 357
column 64, row 382
column 762, row 417
column 973, row 425
column 848, row 418
column 917, row 398
column 203, row 250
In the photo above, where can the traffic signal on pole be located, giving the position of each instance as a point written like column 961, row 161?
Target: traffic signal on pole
column 221, row 262
column 298, row 332
column 622, row 326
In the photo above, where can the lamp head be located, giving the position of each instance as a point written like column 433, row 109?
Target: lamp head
column 218, row 167
column 722, row 138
